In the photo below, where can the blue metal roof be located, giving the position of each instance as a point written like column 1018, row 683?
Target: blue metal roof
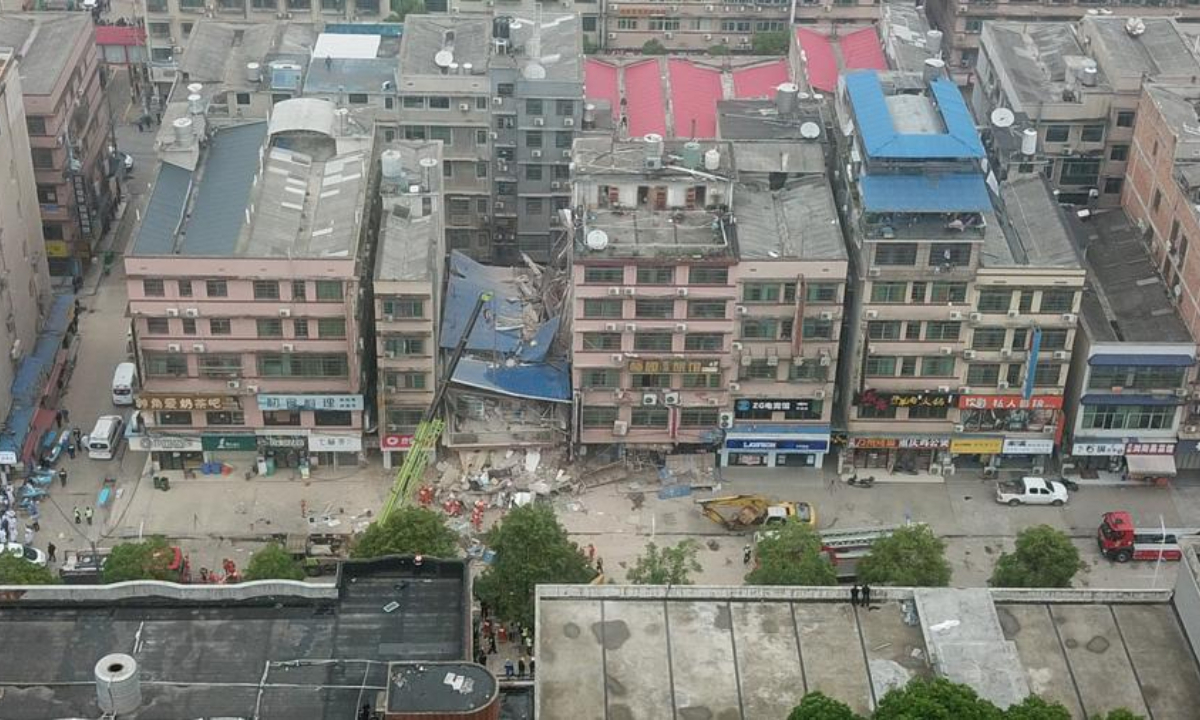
column 882, row 140
column 32, row 374
column 953, row 192
column 1129, row 399
column 499, row 326
column 1156, row 360
column 164, row 212
column 544, row 381
column 224, row 190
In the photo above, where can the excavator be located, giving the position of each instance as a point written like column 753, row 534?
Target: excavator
column 738, row 513
column 430, row 428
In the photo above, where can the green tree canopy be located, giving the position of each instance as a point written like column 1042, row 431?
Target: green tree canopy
column 912, row 556
column 819, row 706
column 770, row 43
column 150, row 559
column 273, row 563
column 408, row 531
column 666, row 565
column 937, row 699
column 403, row 8
column 531, row 548
column 791, row 555
column 1035, row 708
column 1044, row 557
column 1119, row 714
column 16, row 570
column 653, row 47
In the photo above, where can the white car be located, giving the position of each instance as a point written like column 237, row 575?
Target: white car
column 1031, row 491
column 28, row 552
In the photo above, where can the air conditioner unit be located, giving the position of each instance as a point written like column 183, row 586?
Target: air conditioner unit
column 233, row 384
column 569, row 122
column 734, row 387
column 818, row 394
column 725, row 420
column 946, row 350
column 1070, row 318
column 708, row 36
column 555, row 186
column 772, row 360
column 871, row 349
column 681, row 292
column 285, row 312
column 628, row 291
column 1005, row 352
column 826, row 315
column 1014, row 313
column 708, row 8
column 826, row 361
column 964, row 390
column 975, row 317
column 955, row 315
column 174, row 347
column 612, row 36
column 943, row 388
column 1060, row 354
column 959, row 428
column 649, row 399
column 172, row 312
column 872, row 314
column 620, row 428
column 1190, row 429
column 741, row 310
column 191, row 312
column 198, row 347
column 251, row 388
column 1003, row 385
column 747, row 358
column 289, row 347
column 391, row 354
column 714, row 401
column 630, row 327
column 737, row 345
column 671, row 398
column 614, row 291
column 1180, row 392
column 539, row 122
column 874, row 272
column 389, row 318
column 611, row 327
column 969, row 354
column 680, row 327
column 464, row 107
column 535, row 153
column 668, row 35
column 497, row 101
column 618, row 358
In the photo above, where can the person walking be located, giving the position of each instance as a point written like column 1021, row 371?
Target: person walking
column 71, row 450
column 591, row 552
column 747, row 553
column 521, row 667
column 78, row 516
column 531, row 666
column 492, row 645
column 58, row 419
column 87, row 513
column 508, row 669
column 77, row 436
column 600, row 565
column 50, row 552
column 62, row 477
column 866, row 596
column 854, row 595
column 28, row 535
column 66, row 416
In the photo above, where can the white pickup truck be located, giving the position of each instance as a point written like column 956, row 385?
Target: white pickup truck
column 1031, row 491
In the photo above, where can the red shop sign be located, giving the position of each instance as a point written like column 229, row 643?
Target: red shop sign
column 1009, row 402
column 397, row 442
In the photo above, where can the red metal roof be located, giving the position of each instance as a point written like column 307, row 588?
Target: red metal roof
column 600, row 82
column 861, row 51
column 821, row 63
column 120, row 35
column 643, row 90
column 761, row 80
column 694, row 94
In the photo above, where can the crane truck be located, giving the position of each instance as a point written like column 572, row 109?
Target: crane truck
column 1119, row 540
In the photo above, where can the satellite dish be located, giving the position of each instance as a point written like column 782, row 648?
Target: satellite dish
column 1003, row 117
column 534, row 71
column 428, row 162
column 810, row 131
column 596, row 240
column 443, row 58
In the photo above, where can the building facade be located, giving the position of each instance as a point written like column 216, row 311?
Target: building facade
column 70, row 132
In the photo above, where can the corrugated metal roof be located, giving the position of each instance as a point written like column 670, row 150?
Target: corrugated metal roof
column 163, row 213
column 882, row 140
column 821, row 65
column 760, row 80
column 643, row 91
column 228, row 176
column 695, row 91
column 600, row 82
column 925, row 193
column 544, row 381
column 861, row 50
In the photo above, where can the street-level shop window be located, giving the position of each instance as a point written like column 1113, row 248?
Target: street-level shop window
column 173, row 417
column 281, row 417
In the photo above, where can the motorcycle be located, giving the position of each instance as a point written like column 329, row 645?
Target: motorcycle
column 866, row 482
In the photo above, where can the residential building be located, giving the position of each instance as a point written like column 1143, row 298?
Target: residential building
column 244, row 287
column 409, row 269
column 962, row 21
column 70, row 132
column 1134, row 362
column 954, row 293
column 589, row 12
column 504, row 95
column 1077, row 85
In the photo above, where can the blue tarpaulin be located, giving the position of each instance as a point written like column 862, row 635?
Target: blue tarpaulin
column 543, row 381
column 32, row 374
column 933, row 193
column 882, row 140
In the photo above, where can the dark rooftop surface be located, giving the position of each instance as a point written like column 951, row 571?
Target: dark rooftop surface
column 290, row 660
column 42, row 40
column 439, row 687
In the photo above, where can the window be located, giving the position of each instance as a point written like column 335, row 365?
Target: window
column 47, row 194
column 652, row 342
column 189, row 326
column 1058, row 133
column 331, row 328
column 505, row 89
column 874, row 412
column 702, row 381
column 405, row 381
column 1079, row 172
column 404, row 307
column 669, row 24
column 995, row 301
column 43, row 158
column 947, row 292
column 601, row 341
column 52, row 231
column 213, row 365
column 533, row 172
column 726, row 26
column 218, row 326
column 158, row 326
column 331, row 418
column 627, row 23
column 908, row 367
column 708, row 276
column 1138, row 377
column 912, row 330
column 165, row 364
column 935, row 330
column 329, row 290
column 153, row 288
column 1054, row 339
column 600, row 378
column 706, row 309
column 481, row 169
column 439, row 103
column 983, row 373
column 888, row 292
column 927, row 412
column 604, row 275
column 327, row 365
column 817, row 329
column 760, row 292
column 883, row 330
column 533, row 106
column 760, row 329
column 481, row 103
column 1058, row 301
column 216, row 288
column 1125, row 118
column 1047, row 374
column 989, row 338
column 807, row 372
column 533, row 139
column 647, row 381
column 225, row 417
column 939, row 366
column 159, row 29
column 402, row 417
column 299, row 291
column 658, row 309
column 185, row 288
column 176, row 417
column 1118, row 152
column 1113, row 186
column 1092, row 133
column 598, row 417
column 703, row 342
column 266, row 290
column 412, row 102
column 820, row 293
column 1025, row 301
column 1128, row 417
column 698, row 417
column 896, row 254
column 759, row 370
column 269, row 327
column 300, row 328
column 596, row 308
column 880, row 366
column 35, row 124
column 281, row 418
column 354, row 98
column 533, row 206
column 414, row 132
column 973, row 25
column 404, row 345
column 564, row 108
column 649, row 417
column 956, row 254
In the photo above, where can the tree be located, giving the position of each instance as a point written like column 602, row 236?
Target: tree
column 937, row 699
column 770, row 43
column 791, row 555
column 531, row 549
column 408, row 531
column 403, row 8
column 819, row 706
column 912, row 556
column 653, row 47
column 1119, row 714
column 150, row 559
column 273, row 563
column 15, row 570
column 590, row 47
column 1044, row 557
column 666, row 566
column 1035, row 708
column 718, row 50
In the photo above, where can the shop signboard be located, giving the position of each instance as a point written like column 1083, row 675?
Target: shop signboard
column 397, row 442
column 310, row 402
column 882, row 400
column 1150, row 448
column 904, row 443
column 1103, row 449
column 282, row 441
column 976, row 446
column 767, row 444
column 747, row 407
column 146, row 401
column 166, row 443
column 237, row 443
column 1009, row 402
column 334, row 443
column 1028, row 446
column 675, row 365
column 8, row 457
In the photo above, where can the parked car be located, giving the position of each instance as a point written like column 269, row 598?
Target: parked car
column 30, row 553
column 1031, row 491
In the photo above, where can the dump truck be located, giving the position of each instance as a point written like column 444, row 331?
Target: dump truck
column 742, row 512
column 319, row 554
column 1119, row 540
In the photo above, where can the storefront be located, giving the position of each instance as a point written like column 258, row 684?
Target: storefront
column 975, row 452
column 335, row 449
column 237, row 450
column 170, row 452
column 1009, row 414
column 284, row 450
column 1135, row 460
column 911, row 454
column 1089, row 455
column 1150, row 461
column 394, row 447
column 775, row 446
column 1027, row 453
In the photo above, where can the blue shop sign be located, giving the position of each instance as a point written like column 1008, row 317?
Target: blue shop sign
column 813, row 445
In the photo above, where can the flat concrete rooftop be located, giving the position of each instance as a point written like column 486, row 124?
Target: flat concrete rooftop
column 742, row 652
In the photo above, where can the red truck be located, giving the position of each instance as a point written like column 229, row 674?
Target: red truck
column 1119, row 540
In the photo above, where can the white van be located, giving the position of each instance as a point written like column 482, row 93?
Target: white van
column 105, row 438
column 124, row 383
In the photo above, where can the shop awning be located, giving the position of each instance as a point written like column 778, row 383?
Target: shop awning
column 1148, row 359
column 1151, row 465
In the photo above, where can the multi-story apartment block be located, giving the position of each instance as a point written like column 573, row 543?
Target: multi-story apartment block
column 409, row 268
column 963, row 21
column 1134, row 362
column 244, row 287
column 953, row 296
column 504, row 95
column 1077, row 85
column 70, row 132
